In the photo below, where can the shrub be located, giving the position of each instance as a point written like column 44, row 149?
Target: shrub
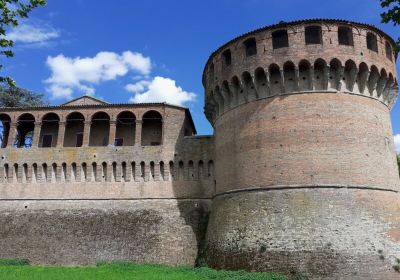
column 14, row 262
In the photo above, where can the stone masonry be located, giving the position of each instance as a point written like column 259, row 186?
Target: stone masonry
column 305, row 166
column 300, row 176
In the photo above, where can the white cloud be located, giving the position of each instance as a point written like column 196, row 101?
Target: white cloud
column 137, row 87
column 69, row 74
column 160, row 89
column 31, row 34
column 397, row 142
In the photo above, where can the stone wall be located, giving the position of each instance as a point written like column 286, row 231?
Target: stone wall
column 325, row 233
column 313, row 139
column 78, row 232
column 82, row 205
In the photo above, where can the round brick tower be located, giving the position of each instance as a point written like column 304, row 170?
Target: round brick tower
column 306, row 173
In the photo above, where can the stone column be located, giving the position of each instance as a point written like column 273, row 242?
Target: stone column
column 36, row 134
column 157, row 173
column 11, row 135
column 118, row 173
column 86, row 134
column 28, row 173
column 162, row 132
column 138, row 133
column 109, row 171
column 112, row 133
column 296, row 78
column 282, row 81
column 61, row 134
column 312, row 77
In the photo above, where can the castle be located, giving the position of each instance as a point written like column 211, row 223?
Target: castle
column 300, row 174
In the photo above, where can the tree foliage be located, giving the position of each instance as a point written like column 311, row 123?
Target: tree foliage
column 11, row 96
column 10, row 12
column 391, row 14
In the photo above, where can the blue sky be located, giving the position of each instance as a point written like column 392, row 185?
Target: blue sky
column 114, row 49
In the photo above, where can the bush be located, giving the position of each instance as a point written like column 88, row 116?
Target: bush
column 209, row 273
column 14, row 262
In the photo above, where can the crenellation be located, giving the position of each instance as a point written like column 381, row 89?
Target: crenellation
column 300, row 173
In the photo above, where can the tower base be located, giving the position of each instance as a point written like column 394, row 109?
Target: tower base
column 326, row 233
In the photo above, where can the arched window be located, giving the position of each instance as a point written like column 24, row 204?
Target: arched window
column 320, row 74
column 334, row 74
column 49, row 132
column 251, row 46
column 373, row 79
column 99, row 130
column 362, row 77
column 5, row 121
column 345, row 36
column 280, row 39
column 248, row 84
column 372, row 43
column 25, row 130
column 125, row 131
column 275, row 79
column 388, row 50
column 74, row 130
column 289, row 76
column 260, row 79
column 313, row 35
column 350, row 74
column 305, row 79
column 227, row 57
column 152, row 129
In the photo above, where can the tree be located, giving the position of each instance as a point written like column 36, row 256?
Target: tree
column 11, row 96
column 11, row 11
column 392, row 14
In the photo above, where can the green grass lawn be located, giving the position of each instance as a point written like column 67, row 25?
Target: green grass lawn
column 121, row 271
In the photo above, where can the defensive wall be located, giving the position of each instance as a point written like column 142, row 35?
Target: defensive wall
column 88, row 181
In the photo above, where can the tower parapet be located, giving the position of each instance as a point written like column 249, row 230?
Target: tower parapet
column 302, row 56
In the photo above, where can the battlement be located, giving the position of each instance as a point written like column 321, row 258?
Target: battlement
column 89, row 149
column 302, row 56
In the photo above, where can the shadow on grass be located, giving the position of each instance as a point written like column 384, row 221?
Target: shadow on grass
column 21, row 270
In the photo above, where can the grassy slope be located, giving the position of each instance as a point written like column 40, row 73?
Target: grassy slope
column 122, row 271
